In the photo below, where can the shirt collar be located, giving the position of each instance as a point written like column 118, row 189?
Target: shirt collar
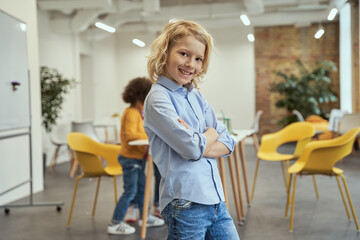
column 170, row 84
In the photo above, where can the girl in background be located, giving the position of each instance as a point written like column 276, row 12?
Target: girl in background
column 132, row 158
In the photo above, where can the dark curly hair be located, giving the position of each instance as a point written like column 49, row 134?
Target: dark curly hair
column 136, row 90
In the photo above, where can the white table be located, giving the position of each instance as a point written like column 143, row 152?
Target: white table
column 239, row 136
column 149, row 172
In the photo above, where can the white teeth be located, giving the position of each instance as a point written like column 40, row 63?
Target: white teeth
column 183, row 72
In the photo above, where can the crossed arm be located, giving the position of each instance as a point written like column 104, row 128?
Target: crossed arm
column 213, row 147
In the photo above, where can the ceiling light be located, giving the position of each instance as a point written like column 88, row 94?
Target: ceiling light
column 332, row 14
column 105, row 27
column 251, row 37
column 319, row 32
column 23, row 27
column 245, row 20
column 138, row 42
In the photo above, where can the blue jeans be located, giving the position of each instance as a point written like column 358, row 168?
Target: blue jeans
column 187, row 220
column 134, row 186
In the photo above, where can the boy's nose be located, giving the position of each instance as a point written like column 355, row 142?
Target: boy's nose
column 190, row 63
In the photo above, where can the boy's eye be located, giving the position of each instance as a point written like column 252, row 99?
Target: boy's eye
column 199, row 59
column 184, row 54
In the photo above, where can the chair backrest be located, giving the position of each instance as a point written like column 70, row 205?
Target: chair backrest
column 299, row 132
column 90, row 163
column 59, row 133
column 334, row 119
column 256, row 124
column 298, row 115
column 321, row 156
column 348, row 122
column 85, row 127
column 82, row 144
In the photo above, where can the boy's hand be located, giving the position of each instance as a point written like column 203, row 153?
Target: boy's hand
column 182, row 122
column 211, row 134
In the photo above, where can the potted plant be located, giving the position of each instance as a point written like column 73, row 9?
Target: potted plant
column 53, row 88
column 305, row 92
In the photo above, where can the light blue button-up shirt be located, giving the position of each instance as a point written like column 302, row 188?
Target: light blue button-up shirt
column 177, row 151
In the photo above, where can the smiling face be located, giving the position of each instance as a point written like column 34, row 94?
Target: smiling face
column 185, row 60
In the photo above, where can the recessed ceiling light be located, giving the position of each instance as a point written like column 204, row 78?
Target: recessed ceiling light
column 138, row 42
column 23, row 27
column 319, row 33
column 245, row 20
column 332, row 14
column 251, row 37
column 105, row 27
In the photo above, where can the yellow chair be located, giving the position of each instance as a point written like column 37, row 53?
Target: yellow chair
column 319, row 157
column 299, row 132
column 87, row 152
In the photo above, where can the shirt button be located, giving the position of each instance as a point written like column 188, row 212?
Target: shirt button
column 184, row 90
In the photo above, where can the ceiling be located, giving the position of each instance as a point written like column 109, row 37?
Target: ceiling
column 79, row 16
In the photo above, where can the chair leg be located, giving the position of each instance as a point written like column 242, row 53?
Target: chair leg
column 115, row 190
column 288, row 195
column 96, row 195
column 343, row 198
column 53, row 159
column 287, row 167
column 254, row 181
column 292, row 205
column 283, row 172
column 73, row 199
column 350, row 202
column 315, row 187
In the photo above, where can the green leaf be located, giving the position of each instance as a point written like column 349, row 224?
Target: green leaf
column 307, row 91
column 53, row 88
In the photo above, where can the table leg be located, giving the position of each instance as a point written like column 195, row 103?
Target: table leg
column 235, row 189
column 256, row 142
column 222, row 176
column 106, row 135
column 237, row 167
column 149, row 173
column 243, row 164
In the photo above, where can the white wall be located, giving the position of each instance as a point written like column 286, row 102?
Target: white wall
column 13, row 150
column 131, row 60
column 107, row 78
column 230, row 83
column 345, row 59
column 60, row 51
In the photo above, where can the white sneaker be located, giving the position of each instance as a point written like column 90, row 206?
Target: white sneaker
column 152, row 221
column 121, row 228
column 131, row 214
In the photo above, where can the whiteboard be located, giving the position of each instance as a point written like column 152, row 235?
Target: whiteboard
column 14, row 101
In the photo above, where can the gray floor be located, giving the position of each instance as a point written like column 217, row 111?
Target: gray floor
column 314, row 219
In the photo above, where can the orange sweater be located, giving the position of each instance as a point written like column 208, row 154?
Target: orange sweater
column 132, row 128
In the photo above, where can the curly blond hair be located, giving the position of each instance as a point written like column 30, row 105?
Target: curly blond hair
column 162, row 45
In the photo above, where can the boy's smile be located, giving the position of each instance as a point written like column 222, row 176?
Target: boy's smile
column 185, row 60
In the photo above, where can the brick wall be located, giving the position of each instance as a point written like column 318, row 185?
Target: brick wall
column 276, row 49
